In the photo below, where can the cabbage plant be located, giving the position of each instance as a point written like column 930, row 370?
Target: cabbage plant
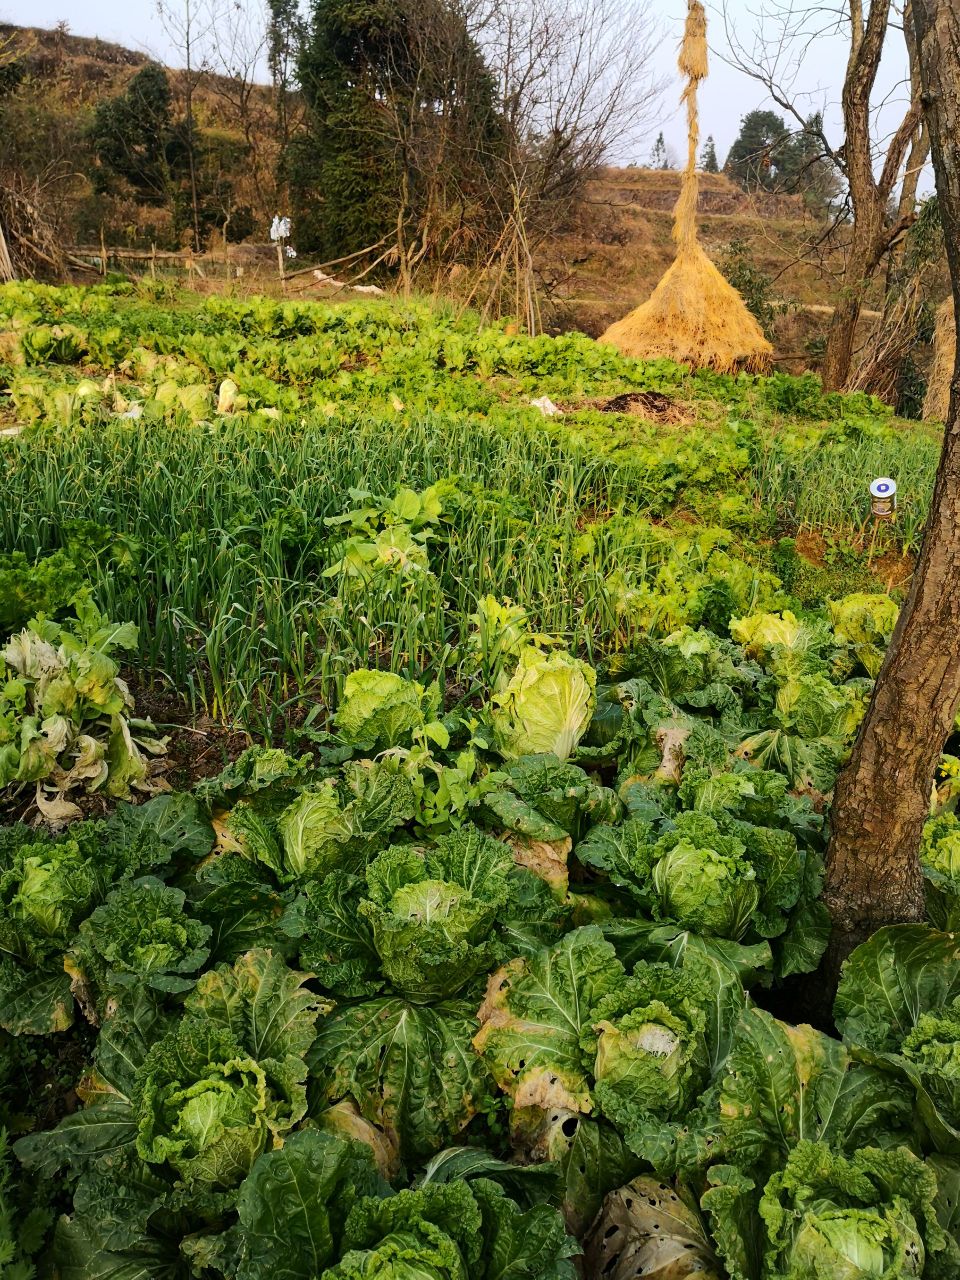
column 703, row 879
column 140, row 935
column 545, row 707
column 204, row 1105
column 898, row 1002
column 867, row 1216
column 306, row 833
column 566, row 1030
column 380, row 709
column 197, row 1098
column 865, row 623
column 432, row 911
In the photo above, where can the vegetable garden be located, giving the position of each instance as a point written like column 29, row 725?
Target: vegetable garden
column 415, row 802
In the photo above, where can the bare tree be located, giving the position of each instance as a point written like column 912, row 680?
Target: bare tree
column 577, row 83
column 233, row 51
column 188, row 26
column 578, row 87
column 883, row 796
column 784, row 32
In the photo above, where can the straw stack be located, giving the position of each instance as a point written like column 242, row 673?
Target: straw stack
column 693, row 316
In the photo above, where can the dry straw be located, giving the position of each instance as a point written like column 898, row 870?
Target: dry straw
column 693, row 316
column 936, row 406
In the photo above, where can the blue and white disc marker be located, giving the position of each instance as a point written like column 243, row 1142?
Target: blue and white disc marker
column 883, row 487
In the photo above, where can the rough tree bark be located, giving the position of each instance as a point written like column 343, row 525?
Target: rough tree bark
column 882, row 798
column 871, row 231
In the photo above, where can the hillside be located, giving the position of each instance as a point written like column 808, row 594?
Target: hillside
column 47, row 141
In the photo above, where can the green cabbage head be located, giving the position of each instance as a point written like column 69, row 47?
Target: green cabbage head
column 203, row 1106
column 432, row 911
column 709, row 888
column 862, row 1218
column 380, row 710
column 866, row 623
column 546, row 707
column 646, row 1053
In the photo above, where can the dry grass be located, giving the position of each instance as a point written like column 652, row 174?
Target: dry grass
column 936, row 406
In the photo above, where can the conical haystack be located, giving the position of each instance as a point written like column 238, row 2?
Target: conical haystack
column 693, row 316
column 936, row 406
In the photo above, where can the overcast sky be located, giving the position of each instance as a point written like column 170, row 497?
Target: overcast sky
column 724, row 98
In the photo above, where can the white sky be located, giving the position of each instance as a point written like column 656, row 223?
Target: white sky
column 724, row 98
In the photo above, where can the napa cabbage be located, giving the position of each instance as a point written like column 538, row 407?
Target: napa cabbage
column 703, row 879
column 869, row 1215
column 432, row 911
column 865, row 623
column 545, row 707
column 140, row 934
column 380, row 710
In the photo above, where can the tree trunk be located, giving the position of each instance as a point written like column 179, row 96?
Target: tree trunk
column 838, row 357
column 882, row 798
column 867, row 247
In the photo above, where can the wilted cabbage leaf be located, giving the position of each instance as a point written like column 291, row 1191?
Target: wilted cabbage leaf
column 647, row 1228
column 534, row 1015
